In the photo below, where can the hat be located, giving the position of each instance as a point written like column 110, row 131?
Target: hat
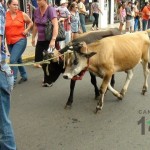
column 63, row 1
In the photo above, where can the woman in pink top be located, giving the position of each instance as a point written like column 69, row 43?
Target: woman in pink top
column 95, row 10
column 122, row 16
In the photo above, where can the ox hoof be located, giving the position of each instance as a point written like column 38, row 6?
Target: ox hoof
column 120, row 97
column 122, row 93
column 97, row 109
column 143, row 92
column 68, row 107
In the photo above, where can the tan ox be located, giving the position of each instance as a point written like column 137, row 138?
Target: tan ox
column 110, row 55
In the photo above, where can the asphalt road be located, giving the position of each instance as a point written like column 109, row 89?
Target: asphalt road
column 41, row 122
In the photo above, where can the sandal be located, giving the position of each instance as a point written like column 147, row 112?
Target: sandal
column 92, row 28
column 37, row 65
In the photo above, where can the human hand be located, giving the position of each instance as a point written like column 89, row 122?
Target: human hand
column 87, row 12
column 52, row 43
column 33, row 42
column 25, row 32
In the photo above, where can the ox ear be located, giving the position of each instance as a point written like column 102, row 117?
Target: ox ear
column 88, row 55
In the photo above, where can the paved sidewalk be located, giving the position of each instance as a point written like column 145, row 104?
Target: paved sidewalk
column 29, row 53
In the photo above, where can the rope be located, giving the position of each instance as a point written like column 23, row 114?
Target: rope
column 40, row 62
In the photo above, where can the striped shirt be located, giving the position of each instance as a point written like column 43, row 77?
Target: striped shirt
column 95, row 7
column 2, row 28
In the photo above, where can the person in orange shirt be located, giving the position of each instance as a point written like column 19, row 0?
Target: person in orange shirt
column 145, row 16
column 16, row 34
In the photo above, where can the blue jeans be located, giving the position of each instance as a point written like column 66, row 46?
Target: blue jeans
column 7, row 140
column 16, row 50
column 136, row 24
column 82, row 22
column 68, row 37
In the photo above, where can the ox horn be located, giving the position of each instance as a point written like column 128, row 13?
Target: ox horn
column 88, row 55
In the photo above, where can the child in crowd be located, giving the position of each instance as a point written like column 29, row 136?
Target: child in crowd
column 64, row 18
column 63, row 11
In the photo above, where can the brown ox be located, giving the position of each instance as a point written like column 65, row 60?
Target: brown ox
column 110, row 55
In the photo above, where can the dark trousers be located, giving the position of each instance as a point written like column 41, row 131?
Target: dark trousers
column 96, row 16
column 52, row 70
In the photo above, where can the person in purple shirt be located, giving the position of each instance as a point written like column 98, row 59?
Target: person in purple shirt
column 41, row 16
column 7, row 139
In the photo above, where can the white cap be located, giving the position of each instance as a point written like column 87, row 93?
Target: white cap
column 63, row 1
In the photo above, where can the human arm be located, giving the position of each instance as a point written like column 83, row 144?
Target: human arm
column 91, row 10
column 82, row 9
column 2, row 26
column 29, row 23
column 34, row 32
column 55, row 32
column 147, row 12
column 0, row 47
column 128, row 11
column 100, row 11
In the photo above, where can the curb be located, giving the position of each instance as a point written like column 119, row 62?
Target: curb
column 27, row 58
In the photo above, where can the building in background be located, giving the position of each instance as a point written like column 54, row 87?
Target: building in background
column 109, row 7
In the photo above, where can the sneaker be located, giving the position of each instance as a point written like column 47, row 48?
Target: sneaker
column 22, row 80
column 97, row 28
column 47, row 84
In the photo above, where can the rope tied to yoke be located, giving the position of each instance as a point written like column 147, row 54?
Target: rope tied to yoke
column 47, row 61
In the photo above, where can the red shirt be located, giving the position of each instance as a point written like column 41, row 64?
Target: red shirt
column 67, row 26
column 144, row 13
column 14, row 27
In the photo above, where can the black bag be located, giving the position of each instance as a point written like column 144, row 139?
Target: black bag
column 49, row 31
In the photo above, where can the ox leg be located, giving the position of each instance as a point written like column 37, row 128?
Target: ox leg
column 146, row 73
column 115, row 93
column 128, row 79
column 103, row 89
column 70, row 99
column 93, row 81
column 148, row 65
column 112, row 82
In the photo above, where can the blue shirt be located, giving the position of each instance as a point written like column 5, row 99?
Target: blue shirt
column 75, row 22
column 2, row 31
column 34, row 3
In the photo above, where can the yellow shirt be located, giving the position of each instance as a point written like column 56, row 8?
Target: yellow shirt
column 81, row 6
